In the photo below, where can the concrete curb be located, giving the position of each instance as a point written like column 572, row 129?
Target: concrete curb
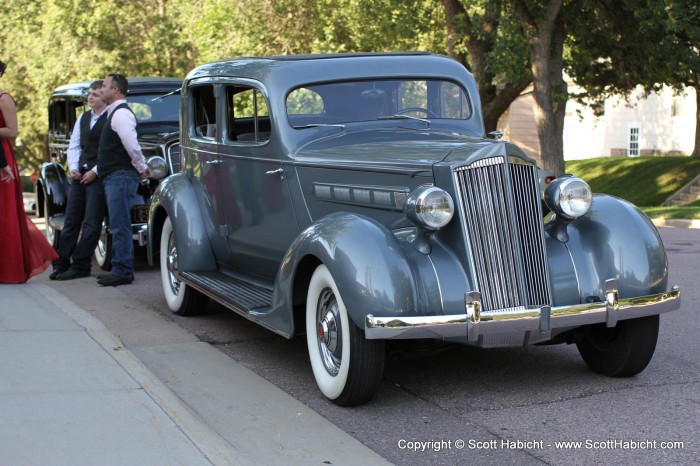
column 676, row 223
column 217, row 450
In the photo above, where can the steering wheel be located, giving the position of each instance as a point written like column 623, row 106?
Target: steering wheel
column 427, row 112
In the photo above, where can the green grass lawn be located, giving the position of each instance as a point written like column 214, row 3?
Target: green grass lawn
column 644, row 181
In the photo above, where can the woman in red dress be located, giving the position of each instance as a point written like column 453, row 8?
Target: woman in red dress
column 25, row 251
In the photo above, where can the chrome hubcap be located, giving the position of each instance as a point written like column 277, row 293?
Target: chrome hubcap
column 171, row 265
column 329, row 331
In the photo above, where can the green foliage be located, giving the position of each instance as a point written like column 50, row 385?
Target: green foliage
column 55, row 42
column 644, row 181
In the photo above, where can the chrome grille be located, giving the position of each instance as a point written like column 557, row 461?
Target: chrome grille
column 174, row 157
column 502, row 217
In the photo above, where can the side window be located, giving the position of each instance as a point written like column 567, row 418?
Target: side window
column 77, row 108
column 203, row 123
column 58, row 118
column 248, row 118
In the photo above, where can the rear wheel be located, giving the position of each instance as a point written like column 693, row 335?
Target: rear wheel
column 103, row 251
column 181, row 299
column 347, row 367
column 622, row 351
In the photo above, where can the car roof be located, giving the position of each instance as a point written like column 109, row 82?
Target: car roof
column 291, row 70
column 136, row 85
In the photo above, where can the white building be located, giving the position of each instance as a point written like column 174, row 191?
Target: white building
column 659, row 124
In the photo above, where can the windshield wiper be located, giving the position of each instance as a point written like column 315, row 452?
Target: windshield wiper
column 400, row 116
column 160, row 97
column 320, row 125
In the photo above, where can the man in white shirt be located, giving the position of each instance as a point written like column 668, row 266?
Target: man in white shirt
column 120, row 164
column 86, row 197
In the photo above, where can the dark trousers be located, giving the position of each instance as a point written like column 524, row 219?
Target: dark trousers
column 82, row 226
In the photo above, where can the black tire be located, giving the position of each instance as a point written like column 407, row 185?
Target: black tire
column 347, row 367
column 622, row 351
column 103, row 251
column 53, row 234
column 182, row 299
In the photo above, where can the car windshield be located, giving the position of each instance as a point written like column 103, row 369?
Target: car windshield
column 352, row 101
column 154, row 107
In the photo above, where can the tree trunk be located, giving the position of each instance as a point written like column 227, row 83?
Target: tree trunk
column 550, row 91
column 696, row 148
column 495, row 100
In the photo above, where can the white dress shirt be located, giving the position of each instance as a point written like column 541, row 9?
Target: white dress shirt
column 124, row 124
column 74, row 151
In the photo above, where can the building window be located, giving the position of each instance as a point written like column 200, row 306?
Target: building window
column 633, row 141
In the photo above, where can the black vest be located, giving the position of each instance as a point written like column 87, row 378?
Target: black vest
column 112, row 155
column 89, row 140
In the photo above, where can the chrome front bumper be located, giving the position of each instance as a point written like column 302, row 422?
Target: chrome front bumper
column 526, row 325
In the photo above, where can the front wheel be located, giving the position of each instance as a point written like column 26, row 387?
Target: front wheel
column 181, row 299
column 103, row 250
column 53, row 234
column 347, row 367
column 622, row 351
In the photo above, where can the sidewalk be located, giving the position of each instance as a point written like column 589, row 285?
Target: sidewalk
column 72, row 394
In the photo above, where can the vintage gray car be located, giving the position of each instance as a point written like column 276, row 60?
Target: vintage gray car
column 354, row 199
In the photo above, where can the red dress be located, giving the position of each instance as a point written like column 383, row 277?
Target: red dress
column 24, row 252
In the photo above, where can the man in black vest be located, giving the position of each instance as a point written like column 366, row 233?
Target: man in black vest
column 120, row 164
column 86, row 198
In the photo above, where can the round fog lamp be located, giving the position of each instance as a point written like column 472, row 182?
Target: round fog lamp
column 158, row 167
column 429, row 207
column 569, row 197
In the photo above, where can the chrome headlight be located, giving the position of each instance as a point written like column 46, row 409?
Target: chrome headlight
column 158, row 167
column 429, row 207
column 568, row 197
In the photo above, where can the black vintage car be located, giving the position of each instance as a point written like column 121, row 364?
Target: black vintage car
column 155, row 102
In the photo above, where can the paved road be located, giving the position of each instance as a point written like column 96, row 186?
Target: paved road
column 506, row 405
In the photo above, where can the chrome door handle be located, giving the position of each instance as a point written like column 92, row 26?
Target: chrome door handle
column 279, row 172
column 213, row 162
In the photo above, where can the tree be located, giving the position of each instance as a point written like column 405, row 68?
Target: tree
column 644, row 43
column 486, row 39
column 507, row 45
column 544, row 29
column 684, row 28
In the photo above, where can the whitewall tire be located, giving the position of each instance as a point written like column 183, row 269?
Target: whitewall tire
column 182, row 300
column 347, row 367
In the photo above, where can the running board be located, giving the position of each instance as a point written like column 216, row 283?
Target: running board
column 249, row 300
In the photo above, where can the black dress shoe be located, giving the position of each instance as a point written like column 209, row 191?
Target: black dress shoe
column 72, row 274
column 114, row 280
column 55, row 273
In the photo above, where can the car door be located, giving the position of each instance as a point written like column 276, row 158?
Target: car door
column 260, row 220
column 203, row 144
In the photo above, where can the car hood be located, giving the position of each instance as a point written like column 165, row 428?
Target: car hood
column 394, row 147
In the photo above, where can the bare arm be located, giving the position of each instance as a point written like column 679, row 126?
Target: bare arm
column 9, row 114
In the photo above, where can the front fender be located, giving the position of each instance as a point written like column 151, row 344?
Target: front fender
column 616, row 240
column 175, row 197
column 374, row 271
column 55, row 184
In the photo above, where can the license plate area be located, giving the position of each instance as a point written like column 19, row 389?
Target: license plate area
column 139, row 213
